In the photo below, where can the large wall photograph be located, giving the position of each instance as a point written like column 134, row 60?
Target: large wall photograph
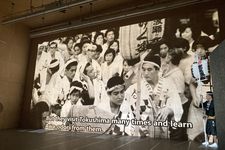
column 148, row 79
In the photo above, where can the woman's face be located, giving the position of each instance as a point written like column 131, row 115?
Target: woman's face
column 99, row 40
column 114, row 46
column 187, row 34
column 70, row 44
column 126, row 67
column 77, row 50
column 109, row 58
column 85, row 48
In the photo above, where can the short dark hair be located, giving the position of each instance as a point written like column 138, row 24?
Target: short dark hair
column 109, row 30
column 210, row 93
column 68, row 39
column 163, row 41
column 176, row 55
column 108, row 51
column 118, row 43
column 77, row 45
column 181, row 43
column 98, row 34
column 195, row 30
column 99, row 47
column 204, row 41
column 84, row 41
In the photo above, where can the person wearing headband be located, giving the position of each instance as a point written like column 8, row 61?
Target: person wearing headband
column 115, row 89
column 70, row 69
column 74, row 98
column 52, row 53
column 50, row 94
column 158, row 100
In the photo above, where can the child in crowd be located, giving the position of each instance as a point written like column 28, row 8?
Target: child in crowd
column 74, row 98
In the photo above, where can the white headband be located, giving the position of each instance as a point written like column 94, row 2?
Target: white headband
column 150, row 62
column 70, row 61
column 114, row 87
column 52, row 65
column 77, row 88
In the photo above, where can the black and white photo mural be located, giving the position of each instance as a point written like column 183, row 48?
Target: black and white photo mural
column 148, row 79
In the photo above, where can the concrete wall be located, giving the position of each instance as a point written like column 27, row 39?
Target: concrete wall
column 14, row 54
column 218, row 78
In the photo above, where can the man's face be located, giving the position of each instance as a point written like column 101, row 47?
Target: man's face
column 149, row 72
column 110, row 36
column 117, row 95
column 71, row 72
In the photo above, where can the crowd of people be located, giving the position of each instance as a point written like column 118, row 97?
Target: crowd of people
column 163, row 83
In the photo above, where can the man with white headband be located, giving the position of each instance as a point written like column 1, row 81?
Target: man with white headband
column 157, row 99
column 70, row 69
column 50, row 95
column 115, row 90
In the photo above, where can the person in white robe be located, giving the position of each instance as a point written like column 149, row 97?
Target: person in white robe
column 151, row 99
